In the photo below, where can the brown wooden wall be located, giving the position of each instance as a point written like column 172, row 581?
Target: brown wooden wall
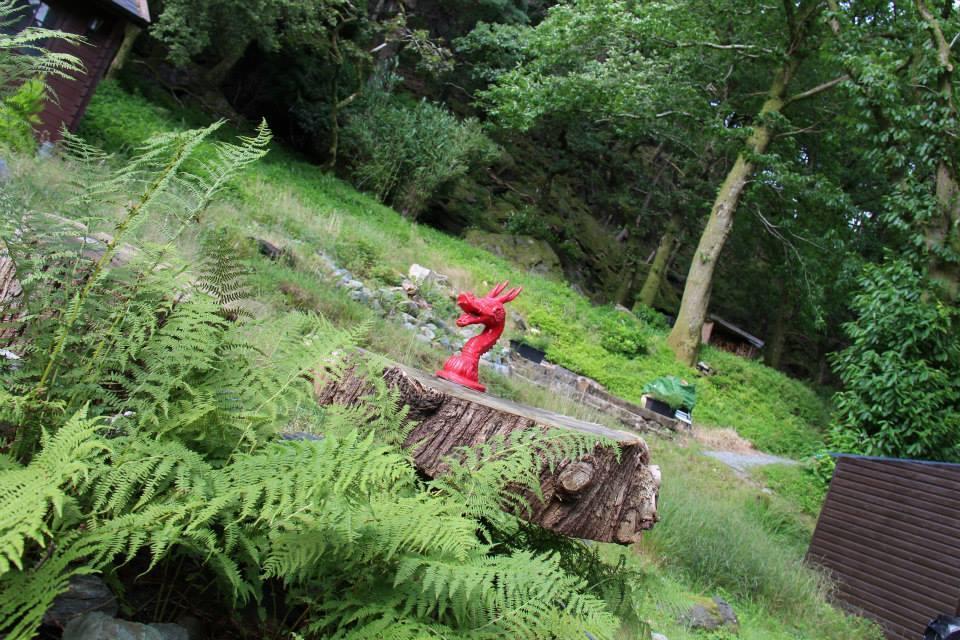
column 74, row 95
column 889, row 533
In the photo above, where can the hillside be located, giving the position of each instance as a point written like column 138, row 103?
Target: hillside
column 290, row 202
column 718, row 535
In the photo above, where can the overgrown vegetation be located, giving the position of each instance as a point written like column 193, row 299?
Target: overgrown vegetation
column 142, row 417
column 288, row 198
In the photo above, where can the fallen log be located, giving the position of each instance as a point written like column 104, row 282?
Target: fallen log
column 609, row 495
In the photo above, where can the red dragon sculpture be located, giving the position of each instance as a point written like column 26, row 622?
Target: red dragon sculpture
column 488, row 311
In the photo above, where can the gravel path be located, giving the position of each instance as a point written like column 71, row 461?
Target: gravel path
column 742, row 462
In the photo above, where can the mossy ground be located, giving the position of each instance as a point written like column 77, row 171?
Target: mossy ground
column 718, row 535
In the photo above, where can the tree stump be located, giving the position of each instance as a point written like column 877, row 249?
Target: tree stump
column 609, row 495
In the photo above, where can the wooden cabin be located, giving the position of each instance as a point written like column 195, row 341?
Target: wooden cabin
column 729, row 337
column 106, row 24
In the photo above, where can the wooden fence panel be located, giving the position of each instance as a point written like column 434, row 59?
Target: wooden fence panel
column 889, row 533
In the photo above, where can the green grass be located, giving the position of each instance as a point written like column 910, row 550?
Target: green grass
column 717, row 534
column 292, row 201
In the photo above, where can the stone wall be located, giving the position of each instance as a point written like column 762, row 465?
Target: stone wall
column 591, row 393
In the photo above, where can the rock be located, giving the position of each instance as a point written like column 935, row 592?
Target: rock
column 526, row 252
column 422, row 275
column 361, row 295
column 171, row 631
column 4, row 170
column 46, row 150
column 83, row 595
column 269, row 249
column 658, row 636
column 406, row 318
column 350, row 283
column 711, row 615
column 408, row 307
column 426, row 334
column 99, row 626
column 300, row 435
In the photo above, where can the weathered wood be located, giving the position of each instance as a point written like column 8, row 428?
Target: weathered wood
column 609, row 495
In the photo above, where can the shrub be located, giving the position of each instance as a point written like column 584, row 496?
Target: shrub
column 900, row 371
column 405, row 153
column 19, row 112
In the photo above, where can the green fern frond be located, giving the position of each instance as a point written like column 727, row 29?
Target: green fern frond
column 32, row 495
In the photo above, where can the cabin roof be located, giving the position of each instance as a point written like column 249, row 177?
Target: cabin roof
column 138, row 10
column 729, row 326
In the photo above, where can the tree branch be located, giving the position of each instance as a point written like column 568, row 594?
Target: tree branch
column 820, row 88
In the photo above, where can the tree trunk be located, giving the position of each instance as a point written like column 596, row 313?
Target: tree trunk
column 942, row 234
column 130, row 33
column 773, row 354
column 218, row 73
column 658, row 270
column 609, row 495
column 684, row 339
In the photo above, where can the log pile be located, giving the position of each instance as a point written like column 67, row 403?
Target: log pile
column 609, row 495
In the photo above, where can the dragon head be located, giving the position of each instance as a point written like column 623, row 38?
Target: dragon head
column 488, row 310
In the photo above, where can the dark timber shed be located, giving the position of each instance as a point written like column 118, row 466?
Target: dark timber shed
column 889, row 533
column 104, row 23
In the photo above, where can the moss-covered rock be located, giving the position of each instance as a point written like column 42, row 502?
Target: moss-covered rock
column 530, row 254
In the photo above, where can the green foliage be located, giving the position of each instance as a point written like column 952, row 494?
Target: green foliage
column 800, row 484
column 900, row 370
column 25, row 60
column 146, row 411
column 726, row 538
column 404, row 153
column 19, row 112
column 778, row 414
column 677, row 393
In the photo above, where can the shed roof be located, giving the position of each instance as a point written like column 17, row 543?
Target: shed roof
column 729, row 326
column 136, row 9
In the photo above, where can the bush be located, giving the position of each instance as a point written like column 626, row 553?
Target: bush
column 405, row 153
column 19, row 112
column 900, row 371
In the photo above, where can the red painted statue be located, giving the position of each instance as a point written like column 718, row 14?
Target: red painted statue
column 488, row 311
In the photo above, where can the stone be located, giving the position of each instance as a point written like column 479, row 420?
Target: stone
column 269, row 249
column 46, row 150
column 426, row 334
column 171, row 631
column 300, row 435
column 658, row 636
column 406, row 318
column 422, row 275
column 83, row 595
column 528, row 253
column 350, row 283
column 710, row 615
column 99, row 626
column 4, row 170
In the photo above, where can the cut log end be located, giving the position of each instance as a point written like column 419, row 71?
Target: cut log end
column 609, row 495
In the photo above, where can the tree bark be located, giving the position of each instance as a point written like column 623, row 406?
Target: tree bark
column 942, row 233
column 658, row 269
column 684, row 339
column 773, row 354
column 609, row 495
column 218, row 73
column 130, row 33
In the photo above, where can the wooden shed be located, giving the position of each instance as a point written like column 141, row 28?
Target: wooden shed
column 105, row 24
column 889, row 533
column 729, row 337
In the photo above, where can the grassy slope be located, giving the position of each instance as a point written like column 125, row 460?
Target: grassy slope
column 292, row 200
column 717, row 535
